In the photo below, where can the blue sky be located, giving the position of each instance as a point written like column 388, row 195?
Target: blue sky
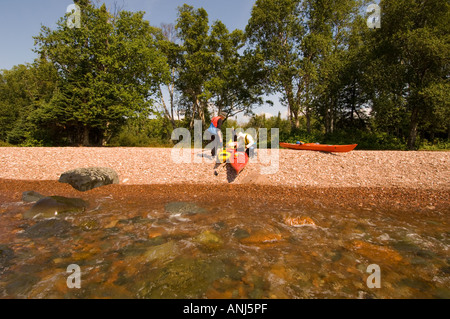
column 20, row 20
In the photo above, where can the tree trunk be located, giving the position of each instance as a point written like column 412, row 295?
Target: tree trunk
column 308, row 119
column 201, row 108
column 307, row 102
column 289, row 113
column 166, row 111
column 194, row 110
column 332, row 122
column 413, row 129
column 292, row 107
column 172, row 104
column 295, row 121
column 86, row 136
column 353, row 101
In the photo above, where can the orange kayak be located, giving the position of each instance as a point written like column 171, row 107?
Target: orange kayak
column 320, row 147
column 238, row 160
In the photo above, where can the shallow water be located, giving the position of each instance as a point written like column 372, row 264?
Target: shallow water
column 156, row 248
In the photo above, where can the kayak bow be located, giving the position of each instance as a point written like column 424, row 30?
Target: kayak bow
column 238, row 160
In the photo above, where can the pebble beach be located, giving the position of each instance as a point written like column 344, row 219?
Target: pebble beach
column 292, row 168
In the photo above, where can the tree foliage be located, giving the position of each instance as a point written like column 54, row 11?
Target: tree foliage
column 108, row 69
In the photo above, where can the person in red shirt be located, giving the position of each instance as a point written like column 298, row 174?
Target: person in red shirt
column 216, row 133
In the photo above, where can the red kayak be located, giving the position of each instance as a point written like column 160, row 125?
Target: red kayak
column 238, row 160
column 320, row 147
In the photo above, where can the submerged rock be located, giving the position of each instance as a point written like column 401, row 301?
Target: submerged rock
column 299, row 221
column 31, row 196
column 50, row 207
column 90, row 224
column 184, row 208
column 6, row 254
column 261, row 237
column 20, row 285
column 185, row 278
column 240, row 233
column 48, row 228
column 162, row 253
column 140, row 248
column 375, row 252
column 209, row 240
column 84, row 179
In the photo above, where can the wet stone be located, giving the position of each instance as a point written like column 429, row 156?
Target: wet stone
column 6, row 254
column 31, row 196
column 260, row 286
column 442, row 293
column 411, row 249
column 337, row 255
column 219, row 225
column 425, row 254
column 445, row 270
column 141, row 248
column 109, row 231
column 49, row 228
column 50, row 207
column 415, row 283
column 209, row 240
column 183, row 278
column 376, row 252
column 134, row 220
column 90, row 225
column 122, row 279
column 240, row 233
column 365, row 295
column 21, row 285
column 262, row 237
column 299, row 221
column 161, row 253
column 184, row 208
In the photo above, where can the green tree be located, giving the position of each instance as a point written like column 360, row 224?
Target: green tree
column 233, row 86
column 304, row 44
column 410, row 58
column 275, row 31
column 195, row 65
column 109, row 70
column 23, row 89
column 328, row 46
column 14, row 97
column 212, row 72
column 172, row 51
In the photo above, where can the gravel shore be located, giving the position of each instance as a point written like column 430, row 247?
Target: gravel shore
column 142, row 166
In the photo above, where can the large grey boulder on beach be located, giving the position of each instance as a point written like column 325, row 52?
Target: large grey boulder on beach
column 84, row 179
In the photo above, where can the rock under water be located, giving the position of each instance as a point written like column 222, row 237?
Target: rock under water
column 48, row 228
column 6, row 254
column 31, row 196
column 184, row 208
column 50, row 207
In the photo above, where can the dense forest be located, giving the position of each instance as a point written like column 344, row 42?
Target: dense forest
column 119, row 81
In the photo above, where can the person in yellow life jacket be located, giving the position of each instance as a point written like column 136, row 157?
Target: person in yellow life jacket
column 248, row 141
column 216, row 133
